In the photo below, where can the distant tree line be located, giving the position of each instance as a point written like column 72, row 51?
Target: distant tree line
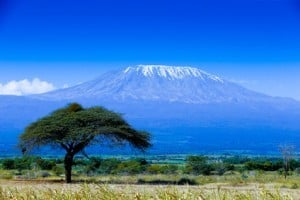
column 194, row 165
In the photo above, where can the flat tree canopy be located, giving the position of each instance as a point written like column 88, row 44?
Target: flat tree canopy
column 73, row 128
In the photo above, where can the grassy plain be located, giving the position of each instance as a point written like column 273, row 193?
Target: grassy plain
column 228, row 187
column 244, row 179
column 57, row 191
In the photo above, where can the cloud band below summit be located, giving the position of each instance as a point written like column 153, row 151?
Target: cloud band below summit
column 25, row 87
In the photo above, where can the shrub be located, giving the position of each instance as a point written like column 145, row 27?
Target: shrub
column 186, row 181
column 220, row 168
column 295, row 186
column 17, row 163
column 236, row 160
column 93, row 165
column 162, row 169
column 23, row 163
column 8, row 164
column 297, row 170
column 58, row 170
column 265, row 165
column 170, row 169
column 45, row 164
column 294, row 164
column 198, row 165
column 43, row 174
column 154, row 169
column 129, row 167
column 108, row 166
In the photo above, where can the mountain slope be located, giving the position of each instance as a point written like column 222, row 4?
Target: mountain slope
column 159, row 83
column 185, row 94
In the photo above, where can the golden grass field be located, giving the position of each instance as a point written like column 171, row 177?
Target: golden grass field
column 39, row 189
column 254, row 185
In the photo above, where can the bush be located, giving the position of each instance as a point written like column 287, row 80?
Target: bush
column 295, row 186
column 6, row 176
column 220, row 168
column 43, row 174
column 235, row 160
column 93, row 165
column 45, row 164
column 186, row 181
column 170, row 169
column 8, row 164
column 154, row 169
column 265, row 165
column 294, row 164
column 109, row 166
column 23, row 163
column 297, row 171
column 162, row 169
column 198, row 165
column 17, row 163
column 58, row 170
column 129, row 167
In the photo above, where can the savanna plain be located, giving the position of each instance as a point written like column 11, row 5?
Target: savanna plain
column 155, row 177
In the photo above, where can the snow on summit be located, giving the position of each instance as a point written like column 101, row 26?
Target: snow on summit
column 171, row 72
column 158, row 83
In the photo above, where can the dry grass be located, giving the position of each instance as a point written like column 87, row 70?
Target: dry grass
column 32, row 190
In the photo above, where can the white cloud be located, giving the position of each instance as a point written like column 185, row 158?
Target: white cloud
column 25, row 87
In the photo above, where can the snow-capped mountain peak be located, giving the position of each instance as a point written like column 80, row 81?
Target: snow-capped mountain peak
column 158, row 83
column 171, row 72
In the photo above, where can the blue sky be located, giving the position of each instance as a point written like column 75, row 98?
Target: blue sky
column 253, row 42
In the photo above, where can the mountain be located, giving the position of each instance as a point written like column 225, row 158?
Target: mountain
column 186, row 109
column 186, row 94
column 159, row 83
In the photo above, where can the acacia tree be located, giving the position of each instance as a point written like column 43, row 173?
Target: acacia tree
column 73, row 128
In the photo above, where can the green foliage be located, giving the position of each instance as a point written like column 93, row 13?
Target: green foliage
column 108, row 166
column 294, row 164
column 23, row 163
column 8, row 163
column 295, row 186
column 162, row 169
column 154, row 169
column 198, row 165
column 265, row 165
column 43, row 174
column 297, row 171
column 74, row 128
column 58, row 170
column 194, row 165
column 220, row 168
column 235, row 160
column 186, row 181
column 129, row 167
column 116, row 166
column 93, row 165
column 45, row 164
column 18, row 163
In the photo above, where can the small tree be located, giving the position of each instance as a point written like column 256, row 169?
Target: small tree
column 198, row 165
column 287, row 152
column 74, row 128
column 8, row 163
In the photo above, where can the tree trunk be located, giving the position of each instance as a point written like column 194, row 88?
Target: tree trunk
column 68, row 162
column 286, row 169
